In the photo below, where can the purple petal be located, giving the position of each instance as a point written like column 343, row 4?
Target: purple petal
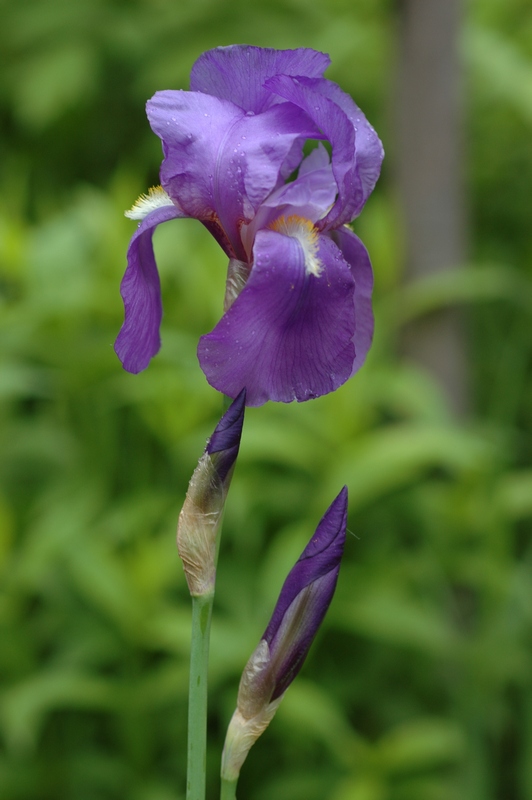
column 288, row 335
column 292, row 160
column 229, row 430
column 224, row 443
column 238, row 72
column 338, row 129
column 311, row 194
column 357, row 257
column 306, row 596
column 193, row 128
column 263, row 143
column 220, row 163
column 368, row 146
column 139, row 339
column 356, row 149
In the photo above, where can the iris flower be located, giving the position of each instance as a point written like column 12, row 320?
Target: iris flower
column 297, row 319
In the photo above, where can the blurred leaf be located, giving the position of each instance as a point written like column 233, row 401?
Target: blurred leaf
column 398, row 454
column 504, row 71
column 54, row 81
column 24, row 707
column 385, row 613
column 361, row 788
column 307, row 711
column 422, row 744
column 515, row 494
column 6, row 531
column 462, row 285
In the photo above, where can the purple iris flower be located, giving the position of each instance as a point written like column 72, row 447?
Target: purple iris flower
column 298, row 320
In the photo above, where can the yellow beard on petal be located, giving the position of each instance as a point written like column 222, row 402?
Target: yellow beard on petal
column 156, row 198
column 304, row 231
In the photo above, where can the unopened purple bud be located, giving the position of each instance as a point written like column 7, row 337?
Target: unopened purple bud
column 200, row 517
column 223, row 445
column 301, row 607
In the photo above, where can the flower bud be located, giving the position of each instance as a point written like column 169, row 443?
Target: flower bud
column 201, row 515
column 301, row 607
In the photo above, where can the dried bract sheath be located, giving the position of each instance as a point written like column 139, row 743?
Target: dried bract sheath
column 201, row 515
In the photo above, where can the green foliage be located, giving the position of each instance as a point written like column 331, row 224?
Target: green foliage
column 419, row 685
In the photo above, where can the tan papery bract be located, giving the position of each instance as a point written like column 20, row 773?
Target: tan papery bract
column 237, row 275
column 257, row 683
column 198, row 525
column 241, row 735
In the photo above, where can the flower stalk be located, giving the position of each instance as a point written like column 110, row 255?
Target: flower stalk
column 197, row 697
column 228, row 791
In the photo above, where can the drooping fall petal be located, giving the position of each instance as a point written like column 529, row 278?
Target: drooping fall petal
column 357, row 257
column 288, row 336
column 139, row 339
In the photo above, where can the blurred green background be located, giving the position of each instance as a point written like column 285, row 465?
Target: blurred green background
column 419, row 686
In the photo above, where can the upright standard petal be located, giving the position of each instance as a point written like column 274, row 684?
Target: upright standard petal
column 356, row 149
column 139, row 339
column 220, row 164
column 337, row 128
column 263, row 143
column 369, row 150
column 193, row 128
column 238, row 72
column 288, row 335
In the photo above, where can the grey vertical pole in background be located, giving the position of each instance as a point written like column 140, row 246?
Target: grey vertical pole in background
column 429, row 155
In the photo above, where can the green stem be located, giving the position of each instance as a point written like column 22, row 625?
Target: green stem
column 197, row 700
column 228, row 789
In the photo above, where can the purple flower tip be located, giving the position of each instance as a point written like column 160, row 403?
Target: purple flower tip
column 224, row 444
column 229, row 430
column 306, row 595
